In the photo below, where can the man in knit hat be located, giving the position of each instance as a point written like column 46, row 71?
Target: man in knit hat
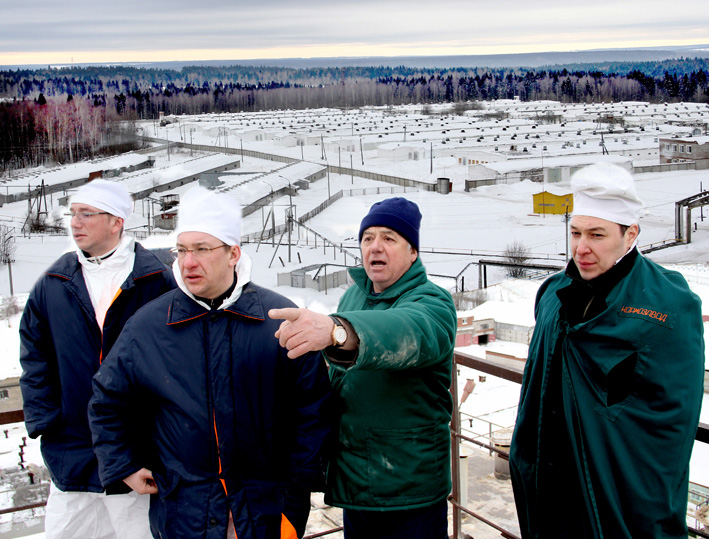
column 238, row 425
column 390, row 346
column 613, row 383
column 71, row 320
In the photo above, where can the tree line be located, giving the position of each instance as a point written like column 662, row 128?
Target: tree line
column 66, row 114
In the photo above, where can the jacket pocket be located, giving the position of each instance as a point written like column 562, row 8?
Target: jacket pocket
column 403, row 465
column 163, row 511
column 264, row 499
column 619, row 382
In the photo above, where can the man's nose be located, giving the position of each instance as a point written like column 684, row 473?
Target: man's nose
column 189, row 260
column 582, row 246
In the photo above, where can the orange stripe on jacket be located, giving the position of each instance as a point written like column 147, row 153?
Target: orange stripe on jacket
column 230, row 526
column 100, row 357
column 287, row 529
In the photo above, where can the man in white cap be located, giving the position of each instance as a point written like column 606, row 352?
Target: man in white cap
column 613, row 384
column 238, row 426
column 71, row 320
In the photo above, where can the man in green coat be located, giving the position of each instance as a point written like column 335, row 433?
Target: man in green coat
column 389, row 347
column 613, row 384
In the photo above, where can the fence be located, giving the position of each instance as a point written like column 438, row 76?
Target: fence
column 346, row 171
column 457, row 436
column 665, row 167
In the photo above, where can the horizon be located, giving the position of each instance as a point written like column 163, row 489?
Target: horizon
column 538, row 58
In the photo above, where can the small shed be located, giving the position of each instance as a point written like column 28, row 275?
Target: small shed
column 319, row 277
column 10, row 395
column 553, row 201
column 472, row 330
column 166, row 220
column 513, row 321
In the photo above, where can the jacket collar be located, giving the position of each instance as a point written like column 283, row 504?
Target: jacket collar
column 116, row 257
column 414, row 276
column 145, row 264
column 243, row 276
column 583, row 300
column 184, row 308
column 609, row 279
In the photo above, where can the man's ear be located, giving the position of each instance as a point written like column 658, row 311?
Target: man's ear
column 234, row 255
column 117, row 224
column 632, row 233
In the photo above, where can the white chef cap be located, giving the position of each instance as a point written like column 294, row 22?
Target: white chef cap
column 606, row 191
column 218, row 214
column 112, row 197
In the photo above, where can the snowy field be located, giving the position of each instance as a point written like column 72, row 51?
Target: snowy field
column 457, row 228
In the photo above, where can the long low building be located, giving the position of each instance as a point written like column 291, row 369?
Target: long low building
column 538, row 169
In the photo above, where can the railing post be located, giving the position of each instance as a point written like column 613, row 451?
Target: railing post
column 455, row 452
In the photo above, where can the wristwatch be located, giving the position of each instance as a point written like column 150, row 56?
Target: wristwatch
column 339, row 333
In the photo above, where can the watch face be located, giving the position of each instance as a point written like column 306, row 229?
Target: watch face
column 340, row 335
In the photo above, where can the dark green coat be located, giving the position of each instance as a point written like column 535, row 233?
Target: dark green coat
column 609, row 409
column 393, row 446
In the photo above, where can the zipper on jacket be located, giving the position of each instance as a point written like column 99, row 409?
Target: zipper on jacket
column 221, row 479
column 100, row 356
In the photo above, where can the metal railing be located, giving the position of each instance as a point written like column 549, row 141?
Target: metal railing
column 512, row 373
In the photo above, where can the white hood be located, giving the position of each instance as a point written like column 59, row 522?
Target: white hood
column 243, row 276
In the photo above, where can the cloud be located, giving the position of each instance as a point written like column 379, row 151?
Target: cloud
column 367, row 26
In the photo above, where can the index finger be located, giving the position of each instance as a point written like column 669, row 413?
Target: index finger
column 289, row 313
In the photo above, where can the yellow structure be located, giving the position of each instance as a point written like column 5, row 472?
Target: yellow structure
column 557, row 203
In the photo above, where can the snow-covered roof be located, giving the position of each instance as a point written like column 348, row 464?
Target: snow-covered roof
column 518, row 314
column 514, row 165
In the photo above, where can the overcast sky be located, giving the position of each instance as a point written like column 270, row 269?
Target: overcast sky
column 42, row 32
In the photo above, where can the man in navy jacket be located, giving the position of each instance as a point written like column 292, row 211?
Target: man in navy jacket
column 237, row 426
column 71, row 320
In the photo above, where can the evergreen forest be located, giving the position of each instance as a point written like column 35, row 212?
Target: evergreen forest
column 66, row 114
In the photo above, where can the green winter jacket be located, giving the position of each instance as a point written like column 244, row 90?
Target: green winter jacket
column 601, row 448
column 393, row 445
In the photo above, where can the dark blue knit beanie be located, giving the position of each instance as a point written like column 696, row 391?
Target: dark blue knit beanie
column 399, row 214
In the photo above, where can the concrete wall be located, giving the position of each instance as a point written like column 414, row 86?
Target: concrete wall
column 666, row 167
column 13, row 401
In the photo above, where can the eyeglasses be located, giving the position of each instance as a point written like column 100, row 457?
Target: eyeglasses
column 84, row 215
column 178, row 253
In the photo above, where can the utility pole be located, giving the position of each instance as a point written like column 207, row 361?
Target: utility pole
column 701, row 208
column 328, row 180
column 290, row 218
column 9, row 271
column 566, row 245
column 432, row 158
column 7, row 251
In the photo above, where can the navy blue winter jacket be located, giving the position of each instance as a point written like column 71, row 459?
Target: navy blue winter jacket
column 236, row 424
column 61, row 347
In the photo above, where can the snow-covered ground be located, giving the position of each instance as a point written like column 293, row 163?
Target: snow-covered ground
column 457, row 228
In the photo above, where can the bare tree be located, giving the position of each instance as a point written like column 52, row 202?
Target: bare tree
column 469, row 300
column 9, row 307
column 7, row 245
column 516, row 254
